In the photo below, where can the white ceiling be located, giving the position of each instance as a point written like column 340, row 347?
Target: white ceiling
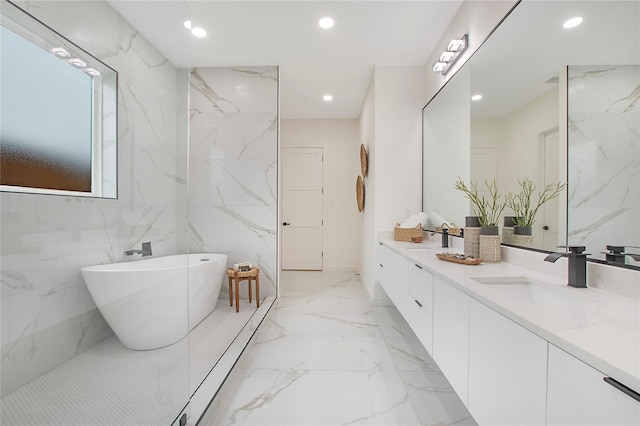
column 312, row 61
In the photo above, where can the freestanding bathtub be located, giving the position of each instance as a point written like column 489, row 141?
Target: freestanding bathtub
column 152, row 303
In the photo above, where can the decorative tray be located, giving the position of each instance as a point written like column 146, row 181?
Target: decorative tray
column 459, row 258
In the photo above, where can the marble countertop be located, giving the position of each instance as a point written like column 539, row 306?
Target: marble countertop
column 599, row 327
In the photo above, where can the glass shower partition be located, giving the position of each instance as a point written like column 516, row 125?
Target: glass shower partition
column 62, row 363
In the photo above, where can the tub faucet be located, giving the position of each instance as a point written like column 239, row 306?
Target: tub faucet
column 577, row 265
column 146, row 250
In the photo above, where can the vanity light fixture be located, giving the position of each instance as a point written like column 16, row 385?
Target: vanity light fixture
column 327, row 98
column 325, row 23
column 573, row 22
column 449, row 56
column 60, row 52
column 77, row 62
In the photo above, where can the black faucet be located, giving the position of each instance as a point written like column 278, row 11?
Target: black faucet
column 445, row 237
column 616, row 254
column 577, row 265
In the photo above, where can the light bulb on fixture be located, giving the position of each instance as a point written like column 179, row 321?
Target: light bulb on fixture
column 476, row 97
column 439, row 66
column 187, row 24
column 92, row 72
column 455, row 45
column 327, row 98
column 447, row 56
column 60, row 52
column 77, row 62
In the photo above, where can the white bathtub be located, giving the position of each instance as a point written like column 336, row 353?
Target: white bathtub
column 152, row 303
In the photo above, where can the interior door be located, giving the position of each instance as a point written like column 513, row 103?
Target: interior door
column 301, row 227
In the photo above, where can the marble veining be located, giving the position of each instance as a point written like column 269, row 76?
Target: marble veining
column 233, row 166
column 326, row 356
column 604, row 157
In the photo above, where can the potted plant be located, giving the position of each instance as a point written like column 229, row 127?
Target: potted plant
column 523, row 206
column 487, row 210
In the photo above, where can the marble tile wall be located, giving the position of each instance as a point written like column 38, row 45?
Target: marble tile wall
column 233, row 158
column 48, row 316
column 604, row 156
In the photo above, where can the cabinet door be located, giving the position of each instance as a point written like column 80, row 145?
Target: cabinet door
column 385, row 269
column 578, row 395
column 507, row 370
column 401, row 283
column 451, row 334
column 420, row 316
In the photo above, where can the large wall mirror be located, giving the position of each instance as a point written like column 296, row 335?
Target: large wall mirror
column 58, row 118
column 557, row 105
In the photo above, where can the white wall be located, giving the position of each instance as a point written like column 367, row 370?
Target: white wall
column 391, row 126
column 342, row 229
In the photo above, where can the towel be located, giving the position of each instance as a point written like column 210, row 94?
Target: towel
column 415, row 220
column 437, row 221
column 242, row 266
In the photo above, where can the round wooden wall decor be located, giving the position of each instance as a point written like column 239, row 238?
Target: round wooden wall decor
column 360, row 193
column 364, row 162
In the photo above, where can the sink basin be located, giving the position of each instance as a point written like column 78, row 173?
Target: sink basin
column 527, row 290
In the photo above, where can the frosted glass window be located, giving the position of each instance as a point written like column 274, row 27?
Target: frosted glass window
column 58, row 112
column 46, row 118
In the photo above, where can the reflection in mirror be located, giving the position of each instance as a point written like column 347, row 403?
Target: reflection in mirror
column 519, row 127
column 58, row 115
column 604, row 159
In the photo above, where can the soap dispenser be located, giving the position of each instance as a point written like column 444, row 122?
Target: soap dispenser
column 445, row 237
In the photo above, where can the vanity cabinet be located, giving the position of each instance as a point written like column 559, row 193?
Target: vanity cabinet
column 420, row 305
column 578, row 395
column 507, row 370
column 451, row 335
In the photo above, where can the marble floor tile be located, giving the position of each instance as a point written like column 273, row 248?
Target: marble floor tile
column 324, row 356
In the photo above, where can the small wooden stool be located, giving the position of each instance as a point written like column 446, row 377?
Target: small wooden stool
column 251, row 275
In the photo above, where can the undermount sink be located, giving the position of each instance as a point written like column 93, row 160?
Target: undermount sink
column 527, row 290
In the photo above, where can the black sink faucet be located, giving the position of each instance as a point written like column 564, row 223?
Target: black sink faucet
column 577, row 265
column 617, row 254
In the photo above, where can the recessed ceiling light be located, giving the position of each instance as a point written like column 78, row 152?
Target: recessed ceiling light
column 476, row 97
column 326, row 22
column 573, row 22
column 327, row 98
column 198, row 32
column 187, row 24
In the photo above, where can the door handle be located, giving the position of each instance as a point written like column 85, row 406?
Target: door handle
column 285, row 224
